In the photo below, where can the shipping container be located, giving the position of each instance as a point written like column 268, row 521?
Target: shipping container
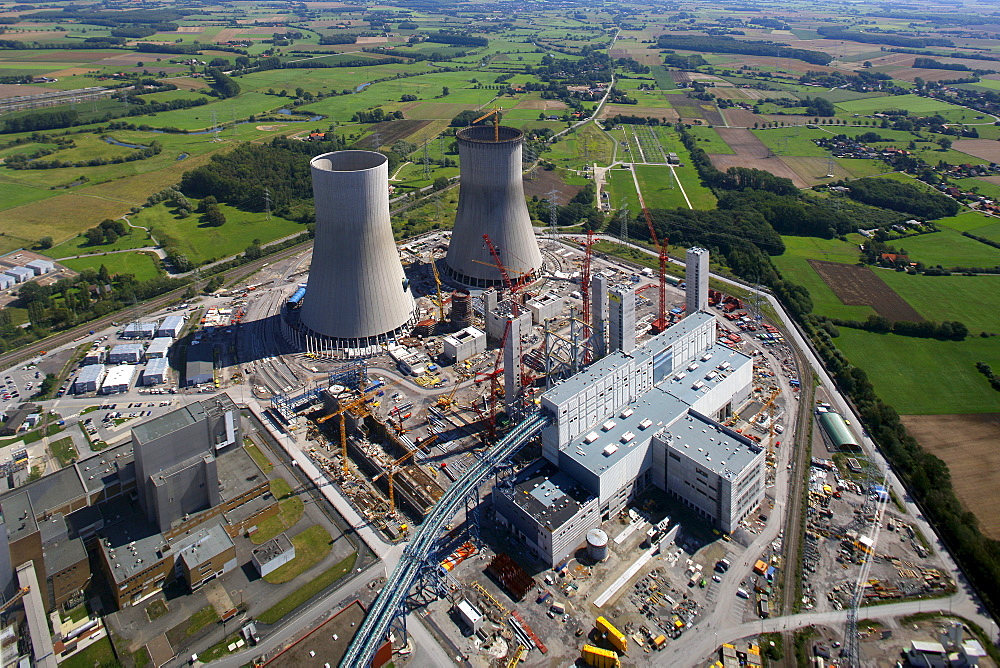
column 600, row 658
column 615, row 637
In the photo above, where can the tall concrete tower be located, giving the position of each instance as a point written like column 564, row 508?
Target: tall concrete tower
column 491, row 201
column 357, row 295
column 622, row 302
column 696, row 278
column 599, row 314
column 512, row 365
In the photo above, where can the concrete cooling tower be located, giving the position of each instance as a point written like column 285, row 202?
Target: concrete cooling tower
column 491, row 201
column 357, row 295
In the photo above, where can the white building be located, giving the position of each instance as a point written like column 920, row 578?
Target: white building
column 464, row 344
column 119, row 379
column 89, row 379
column 696, row 280
column 41, row 266
column 273, row 554
column 621, row 301
column 95, row 356
column 155, row 372
column 138, row 330
column 170, row 327
column 6, row 281
column 158, row 347
column 409, row 361
column 20, row 274
column 546, row 307
column 633, row 420
column 126, row 353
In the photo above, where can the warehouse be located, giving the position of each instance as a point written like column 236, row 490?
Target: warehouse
column 119, row 379
column 199, row 370
column 95, row 356
column 155, row 372
column 89, row 379
column 464, row 344
column 41, row 266
column 126, row 353
column 158, row 347
column 20, row 274
column 170, row 327
column 6, row 281
column 139, row 330
column 836, row 431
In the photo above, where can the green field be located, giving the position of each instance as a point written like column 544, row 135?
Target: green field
column 202, row 243
column 974, row 300
column 794, row 267
column 622, row 188
column 139, row 264
column 915, row 104
column 925, row 376
column 659, row 187
column 949, row 248
column 966, row 222
column 709, row 140
column 797, row 141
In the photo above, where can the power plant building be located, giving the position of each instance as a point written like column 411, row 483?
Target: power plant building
column 696, row 290
column 545, row 307
column 491, row 201
column 629, row 421
column 357, row 295
column 621, row 303
column 464, row 344
column 600, row 313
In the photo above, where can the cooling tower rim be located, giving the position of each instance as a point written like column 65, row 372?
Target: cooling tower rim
column 348, row 161
column 508, row 135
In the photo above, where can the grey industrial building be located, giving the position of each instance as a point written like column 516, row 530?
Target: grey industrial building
column 357, row 295
column 175, row 458
column 491, row 201
column 41, row 266
column 464, row 344
column 139, row 330
column 170, row 327
column 545, row 307
column 631, row 420
column 621, row 330
column 155, row 372
column 6, row 281
column 497, row 319
column 696, row 278
column 200, row 366
column 20, row 274
column 89, row 378
column 126, row 353
column 273, row 554
column 158, row 347
column 95, row 356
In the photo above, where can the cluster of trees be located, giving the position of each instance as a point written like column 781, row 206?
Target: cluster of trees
column 948, row 330
column 691, row 62
column 903, row 197
column 931, row 64
column 986, row 370
column 457, row 40
column 376, row 115
column 222, row 84
column 52, row 120
column 107, row 232
column 723, row 44
column 22, row 161
column 818, row 106
column 840, row 33
column 620, row 119
column 210, row 212
column 580, row 210
column 338, row 39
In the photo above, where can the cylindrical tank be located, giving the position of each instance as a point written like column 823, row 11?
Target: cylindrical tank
column 461, row 309
column 597, row 544
column 491, row 201
column 357, row 292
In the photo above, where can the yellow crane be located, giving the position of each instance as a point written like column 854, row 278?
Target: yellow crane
column 391, row 472
column 437, row 282
column 447, row 401
column 342, row 412
column 495, row 113
column 17, row 597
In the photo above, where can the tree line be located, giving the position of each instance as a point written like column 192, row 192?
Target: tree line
column 723, row 44
column 903, row 197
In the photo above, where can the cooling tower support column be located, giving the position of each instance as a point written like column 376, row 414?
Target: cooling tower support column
column 491, row 201
column 357, row 296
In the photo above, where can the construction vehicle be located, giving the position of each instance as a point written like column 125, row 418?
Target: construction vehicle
column 495, row 113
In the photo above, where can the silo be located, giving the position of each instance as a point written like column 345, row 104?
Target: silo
column 461, row 309
column 491, row 201
column 597, row 544
column 357, row 295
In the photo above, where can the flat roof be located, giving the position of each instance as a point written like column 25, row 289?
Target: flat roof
column 182, row 417
column 159, row 345
column 55, row 489
column 204, row 544
column 141, row 326
column 710, row 445
column 18, row 515
column 172, row 322
column 62, row 554
column 606, row 447
column 549, row 495
column 691, row 384
column 157, row 365
column 119, row 375
column 130, row 544
column 104, row 468
column 92, row 373
column 127, row 348
column 273, row 548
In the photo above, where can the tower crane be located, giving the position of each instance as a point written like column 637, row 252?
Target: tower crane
column 661, row 322
column 391, row 472
column 585, row 292
column 342, row 412
column 495, row 113
column 437, row 282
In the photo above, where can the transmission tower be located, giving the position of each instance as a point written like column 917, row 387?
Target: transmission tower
column 427, row 160
column 267, row 203
column 553, row 213
column 829, row 167
column 376, row 140
column 623, row 222
column 215, row 126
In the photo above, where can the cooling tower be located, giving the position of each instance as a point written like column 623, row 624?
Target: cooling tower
column 357, row 295
column 491, row 201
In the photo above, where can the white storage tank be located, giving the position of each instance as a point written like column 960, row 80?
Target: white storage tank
column 597, row 544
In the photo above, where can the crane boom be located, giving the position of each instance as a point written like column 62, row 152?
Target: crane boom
column 660, row 323
column 495, row 113
column 342, row 412
column 585, row 292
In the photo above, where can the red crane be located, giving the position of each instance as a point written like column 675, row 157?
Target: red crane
column 585, row 291
column 661, row 322
column 497, row 371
